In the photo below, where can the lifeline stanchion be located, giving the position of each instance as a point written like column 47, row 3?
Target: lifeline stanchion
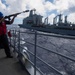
column 35, row 52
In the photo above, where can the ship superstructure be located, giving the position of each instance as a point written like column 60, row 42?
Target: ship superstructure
column 34, row 21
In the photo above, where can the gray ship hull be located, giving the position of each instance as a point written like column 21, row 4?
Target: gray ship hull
column 50, row 29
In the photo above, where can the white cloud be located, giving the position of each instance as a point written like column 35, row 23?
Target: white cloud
column 67, row 7
column 61, row 5
column 64, row 5
column 15, row 6
column 49, row 6
column 2, row 6
column 71, row 17
column 51, row 18
column 42, row 7
column 19, row 5
column 38, row 5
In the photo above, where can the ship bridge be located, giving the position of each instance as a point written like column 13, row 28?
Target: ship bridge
column 34, row 57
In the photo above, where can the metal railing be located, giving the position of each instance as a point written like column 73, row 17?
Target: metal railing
column 16, row 43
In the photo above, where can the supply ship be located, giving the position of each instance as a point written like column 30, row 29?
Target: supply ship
column 34, row 22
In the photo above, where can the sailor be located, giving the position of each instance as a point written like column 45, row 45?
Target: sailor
column 3, row 35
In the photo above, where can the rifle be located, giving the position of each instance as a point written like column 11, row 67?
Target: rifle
column 16, row 14
column 12, row 15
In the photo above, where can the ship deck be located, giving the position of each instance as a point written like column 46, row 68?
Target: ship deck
column 10, row 66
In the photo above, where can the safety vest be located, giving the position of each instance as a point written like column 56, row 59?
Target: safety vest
column 3, row 28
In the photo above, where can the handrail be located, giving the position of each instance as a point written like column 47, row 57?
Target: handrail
column 51, row 35
column 54, row 52
column 45, row 62
column 35, row 45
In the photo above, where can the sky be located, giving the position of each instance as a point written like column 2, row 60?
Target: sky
column 46, row 8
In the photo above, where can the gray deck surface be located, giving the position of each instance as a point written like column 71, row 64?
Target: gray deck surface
column 10, row 66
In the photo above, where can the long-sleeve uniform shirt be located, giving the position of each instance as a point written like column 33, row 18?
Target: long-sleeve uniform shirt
column 3, row 28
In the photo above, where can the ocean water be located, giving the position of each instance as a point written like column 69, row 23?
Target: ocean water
column 60, row 45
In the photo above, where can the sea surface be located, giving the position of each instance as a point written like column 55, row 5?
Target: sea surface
column 60, row 45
